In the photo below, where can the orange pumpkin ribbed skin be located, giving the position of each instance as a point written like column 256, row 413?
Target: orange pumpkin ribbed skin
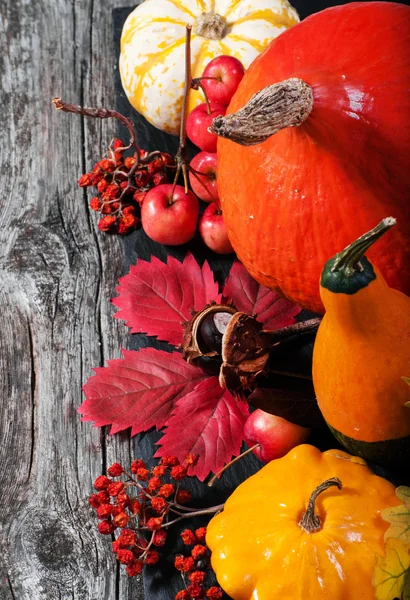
column 291, row 202
column 259, row 552
column 361, row 353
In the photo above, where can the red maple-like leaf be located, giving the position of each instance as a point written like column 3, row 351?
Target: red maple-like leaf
column 209, row 422
column 249, row 297
column 139, row 390
column 155, row 298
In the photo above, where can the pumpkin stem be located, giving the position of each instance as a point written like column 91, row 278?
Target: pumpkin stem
column 347, row 261
column 210, row 25
column 284, row 104
column 309, row 521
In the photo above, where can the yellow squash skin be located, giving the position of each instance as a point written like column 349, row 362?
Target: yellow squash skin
column 259, row 552
column 152, row 64
column 361, row 353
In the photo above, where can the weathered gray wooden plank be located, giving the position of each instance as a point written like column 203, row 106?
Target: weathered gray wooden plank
column 57, row 276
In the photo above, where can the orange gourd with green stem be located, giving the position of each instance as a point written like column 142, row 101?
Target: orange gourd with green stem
column 288, row 533
column 361, row 353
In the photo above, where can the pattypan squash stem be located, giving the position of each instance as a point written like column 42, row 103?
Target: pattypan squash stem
column 347, row 261
column 275, row 107
column 309, row 521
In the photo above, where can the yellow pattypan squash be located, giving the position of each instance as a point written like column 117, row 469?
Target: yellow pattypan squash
column 152, row 63
column 268, row 545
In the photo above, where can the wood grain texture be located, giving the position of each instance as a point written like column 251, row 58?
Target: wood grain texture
column 57, row 275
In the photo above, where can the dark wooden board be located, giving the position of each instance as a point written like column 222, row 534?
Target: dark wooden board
column 163, row 582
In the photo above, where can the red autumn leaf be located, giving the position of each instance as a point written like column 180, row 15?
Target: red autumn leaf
column 249, row 297
column 139, row 390
column 209, row 422
column 155, row 298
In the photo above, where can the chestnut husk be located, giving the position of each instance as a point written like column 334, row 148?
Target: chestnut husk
column 195, row 350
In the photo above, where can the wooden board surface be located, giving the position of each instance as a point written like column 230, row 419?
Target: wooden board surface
column 57, row 275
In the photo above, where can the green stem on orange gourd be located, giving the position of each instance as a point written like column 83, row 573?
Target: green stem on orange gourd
column 309, row 521
column 348, row 260
column 349, row 270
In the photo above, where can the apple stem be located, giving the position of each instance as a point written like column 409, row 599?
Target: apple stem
column 233, row 461
column 181, row 157
column 309, row 521
column 195, row 174
column 196, row 84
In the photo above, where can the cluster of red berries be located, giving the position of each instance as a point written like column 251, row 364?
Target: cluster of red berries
column 195, row 568
column 122, row 183
column 142, row 505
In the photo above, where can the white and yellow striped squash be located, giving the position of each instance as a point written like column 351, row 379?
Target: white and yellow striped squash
column 153, row 47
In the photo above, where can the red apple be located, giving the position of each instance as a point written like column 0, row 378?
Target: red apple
column 198, row 122
column 275, row 435
column 213, row 230
column 225, row 73
column 203, row 183
column 169, row 218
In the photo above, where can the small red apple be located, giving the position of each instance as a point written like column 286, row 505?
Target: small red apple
column 225, row 73
column 169, row 218
column 203, row 183
column 275, row 435
column 213, row 230
column 198, row 122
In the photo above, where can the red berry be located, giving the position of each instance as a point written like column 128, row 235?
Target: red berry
column 106, row 527
column 199, row 551
column 125, row 557
column 160, row 537
column 107, row 223
column 183, row 595
column 214, row 593
column 154, row 484
column 135, row 507
column 183, row 496
column 155, row 523
column 179, row 472
column 121, row 520
column 135, row 568
column 159, row 504
column 200, row 533
column 197, row 577
column 102, row 482
column 188, row 537
column 85, row 180
column 94, row 500
column 95, row 203
column 152, row 557
column 115, row 488
column 104, row 511
column 142, row 474
column 169, row 461
column 166, row 490
column 103, row 497
column 137, row 464
column 196, row 590
column 127, row 537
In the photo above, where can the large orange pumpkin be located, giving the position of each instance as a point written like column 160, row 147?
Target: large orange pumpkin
column 341, row 163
